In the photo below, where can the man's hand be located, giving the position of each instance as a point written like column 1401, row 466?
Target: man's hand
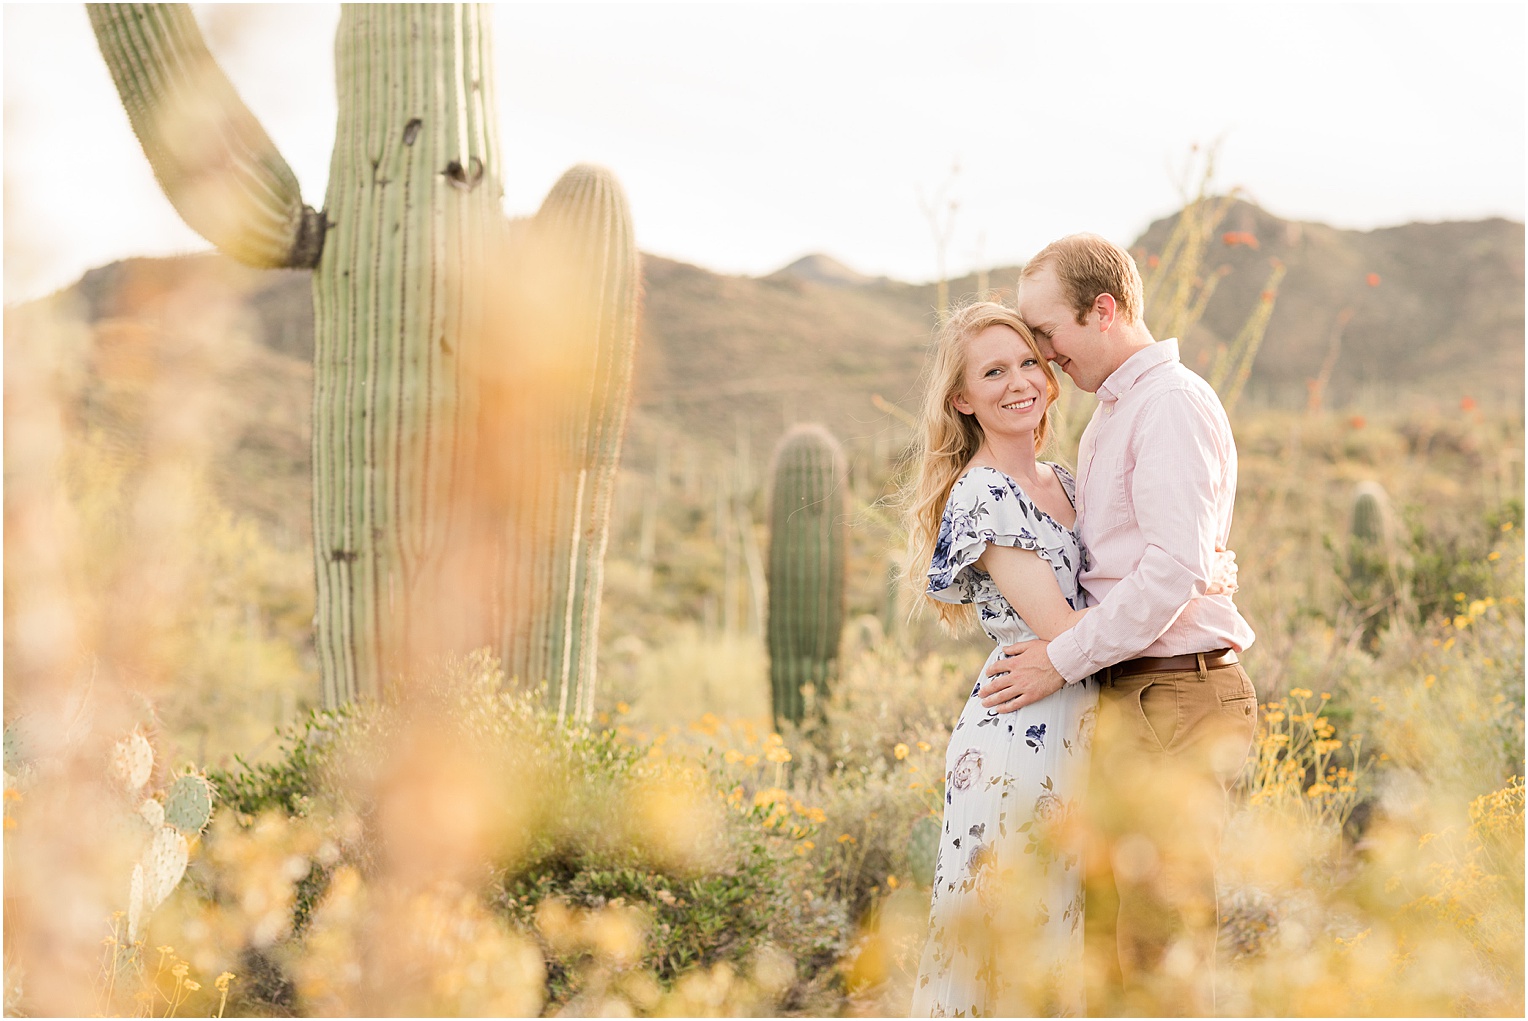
column 1023, row 678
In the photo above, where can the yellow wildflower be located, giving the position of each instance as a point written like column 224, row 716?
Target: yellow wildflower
column 900, row 751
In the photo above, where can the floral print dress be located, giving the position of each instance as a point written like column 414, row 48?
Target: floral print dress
column 1007, row 879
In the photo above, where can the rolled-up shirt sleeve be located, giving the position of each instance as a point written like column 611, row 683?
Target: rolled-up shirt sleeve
column 1179, row 463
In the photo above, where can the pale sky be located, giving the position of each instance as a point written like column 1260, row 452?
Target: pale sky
column 747, row 135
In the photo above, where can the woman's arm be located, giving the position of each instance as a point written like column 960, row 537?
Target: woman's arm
column 1030, row 586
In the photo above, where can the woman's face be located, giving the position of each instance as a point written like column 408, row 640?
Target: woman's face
column 1004, row 383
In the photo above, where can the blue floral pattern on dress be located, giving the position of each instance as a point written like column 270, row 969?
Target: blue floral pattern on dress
column 986, row 506
column 1011, row 780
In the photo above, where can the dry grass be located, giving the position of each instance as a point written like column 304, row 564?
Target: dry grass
column 681, row 858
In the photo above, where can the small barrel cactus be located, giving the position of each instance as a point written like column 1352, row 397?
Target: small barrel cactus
column 806, row 567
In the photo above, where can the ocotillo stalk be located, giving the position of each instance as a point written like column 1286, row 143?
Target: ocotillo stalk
column 418, row 463
column 806, row 567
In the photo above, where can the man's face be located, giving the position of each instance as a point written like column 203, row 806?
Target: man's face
column 1079, row 351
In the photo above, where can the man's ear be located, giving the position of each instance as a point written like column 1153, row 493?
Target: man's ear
column 959, row 403
column 1106, row 310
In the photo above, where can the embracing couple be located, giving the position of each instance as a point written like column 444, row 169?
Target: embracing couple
column 1108, row 598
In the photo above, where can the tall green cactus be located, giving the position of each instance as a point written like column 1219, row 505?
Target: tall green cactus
column 807, row 512
column 579, row 303
column 1371, row 567
column 418, row 337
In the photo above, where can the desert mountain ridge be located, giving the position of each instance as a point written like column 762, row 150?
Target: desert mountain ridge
column 1420, row 315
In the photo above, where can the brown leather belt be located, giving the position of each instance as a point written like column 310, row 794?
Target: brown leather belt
column 1167, row 664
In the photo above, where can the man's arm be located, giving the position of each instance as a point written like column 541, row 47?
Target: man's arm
column 1179, row 466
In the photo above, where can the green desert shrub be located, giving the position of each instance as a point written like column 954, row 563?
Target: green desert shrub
column 568, row 823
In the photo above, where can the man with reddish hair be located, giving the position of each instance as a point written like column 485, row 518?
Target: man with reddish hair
column 1156, row 481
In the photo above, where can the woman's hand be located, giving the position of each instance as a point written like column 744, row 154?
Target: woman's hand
column 1222, row 574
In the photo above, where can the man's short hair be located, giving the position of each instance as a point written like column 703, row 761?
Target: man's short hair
column 1086, row 266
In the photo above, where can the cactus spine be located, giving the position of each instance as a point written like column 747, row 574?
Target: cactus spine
column 416, row 465
column 806, row 567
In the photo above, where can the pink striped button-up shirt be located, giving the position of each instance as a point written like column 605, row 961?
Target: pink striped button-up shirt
column 1156, row 480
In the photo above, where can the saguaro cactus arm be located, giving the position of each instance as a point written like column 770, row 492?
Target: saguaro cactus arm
column 214, row 161
column 579, row 306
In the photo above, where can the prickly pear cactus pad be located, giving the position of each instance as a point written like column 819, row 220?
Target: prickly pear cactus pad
column 18, row 746
column 155, row 877
column 132, row 762
column 188, row 805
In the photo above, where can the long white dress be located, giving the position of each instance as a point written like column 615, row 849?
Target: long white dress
column 1005, row 925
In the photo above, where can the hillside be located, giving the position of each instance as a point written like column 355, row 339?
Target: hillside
column 1442, row 318
column 726, row 362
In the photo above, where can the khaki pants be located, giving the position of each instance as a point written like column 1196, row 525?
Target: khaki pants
column 1167, row 750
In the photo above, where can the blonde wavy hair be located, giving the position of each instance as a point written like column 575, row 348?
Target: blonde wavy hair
column 948, row 441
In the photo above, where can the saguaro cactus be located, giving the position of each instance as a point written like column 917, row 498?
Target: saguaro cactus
column 417, row 465
column 1371, row 568
column 806, row 566
column 579, row 304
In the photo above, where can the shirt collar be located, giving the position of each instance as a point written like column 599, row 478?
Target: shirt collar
column 1137, row 365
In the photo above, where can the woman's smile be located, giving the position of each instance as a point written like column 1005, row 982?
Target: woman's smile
column 1004, row 383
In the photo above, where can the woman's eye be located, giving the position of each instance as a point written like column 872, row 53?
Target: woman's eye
column 1031, row 361
column 993, row 372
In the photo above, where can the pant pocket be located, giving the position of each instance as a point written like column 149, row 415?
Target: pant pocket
column 1160, row 712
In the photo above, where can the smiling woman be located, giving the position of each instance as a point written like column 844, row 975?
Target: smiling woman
column 990, row 530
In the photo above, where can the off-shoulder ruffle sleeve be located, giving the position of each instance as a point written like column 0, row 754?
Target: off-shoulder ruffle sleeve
column 986, row 506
